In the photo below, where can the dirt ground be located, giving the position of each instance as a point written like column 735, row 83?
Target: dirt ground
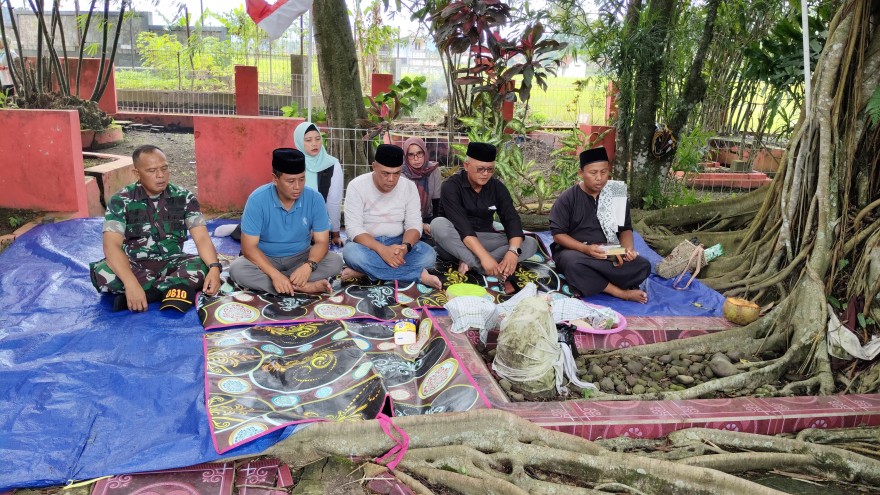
column 10, row 219
column 179, row 148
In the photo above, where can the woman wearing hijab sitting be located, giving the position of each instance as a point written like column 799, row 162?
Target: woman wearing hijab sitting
column 426, row 175
column 323, row 173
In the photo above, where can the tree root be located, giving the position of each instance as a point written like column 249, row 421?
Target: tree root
column 664, row 244
column 372, row 470
column 684, row 216
column 798, row 322
column 748, row 339
column 751, row 461
column 619, row 487
column 491, row 451
column 836, row 435
column 831, row 461
column 464, row 483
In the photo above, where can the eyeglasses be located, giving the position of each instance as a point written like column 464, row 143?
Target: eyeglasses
column 417, row 154
column 484, row 170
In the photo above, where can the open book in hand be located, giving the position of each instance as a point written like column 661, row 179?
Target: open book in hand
column 614, row 253
column 613, row 249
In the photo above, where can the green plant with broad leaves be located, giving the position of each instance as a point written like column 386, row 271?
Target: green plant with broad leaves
column 400, row 99
column 479, row 59
column 691, row 151
column 294, row 111
column 518, row 174
column 567, row 164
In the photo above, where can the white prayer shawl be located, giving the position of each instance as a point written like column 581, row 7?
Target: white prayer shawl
column 605, row 208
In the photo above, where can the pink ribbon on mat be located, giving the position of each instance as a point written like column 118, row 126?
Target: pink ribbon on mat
column 401, row 445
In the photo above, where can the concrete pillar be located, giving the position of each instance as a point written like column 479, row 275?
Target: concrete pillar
column 247, row 90
column 594, row 131
column 380, row 83
column 610, row 102
column 42, row 161
column 298, row 83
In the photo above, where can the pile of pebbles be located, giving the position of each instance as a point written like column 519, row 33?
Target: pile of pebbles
column 634, row 375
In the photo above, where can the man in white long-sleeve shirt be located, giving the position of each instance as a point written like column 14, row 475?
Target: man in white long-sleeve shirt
column 383, row 218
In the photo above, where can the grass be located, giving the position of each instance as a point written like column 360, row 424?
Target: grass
column 562, row 103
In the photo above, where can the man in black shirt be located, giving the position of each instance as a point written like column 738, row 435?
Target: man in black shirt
column 582, row 220
column 469, row 201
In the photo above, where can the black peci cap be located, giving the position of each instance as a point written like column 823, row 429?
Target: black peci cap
column 389, row 155
column 483, row 152
column 593, row 155
column 288, row 161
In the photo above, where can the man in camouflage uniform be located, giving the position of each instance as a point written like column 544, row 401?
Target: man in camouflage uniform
column 144, row 230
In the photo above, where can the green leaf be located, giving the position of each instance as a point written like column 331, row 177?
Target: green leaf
column 842, row 264
column 862, row 322
column 835, row 303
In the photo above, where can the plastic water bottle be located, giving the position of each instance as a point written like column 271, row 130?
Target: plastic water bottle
column 713, row 252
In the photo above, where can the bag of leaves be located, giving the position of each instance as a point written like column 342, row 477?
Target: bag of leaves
column 529, row 353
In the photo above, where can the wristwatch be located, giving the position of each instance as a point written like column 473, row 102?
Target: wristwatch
column 408, row 246
column 515, row 250
column 215, row 265
column 312, row 264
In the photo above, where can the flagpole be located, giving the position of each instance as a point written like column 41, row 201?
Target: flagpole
column 309, row 66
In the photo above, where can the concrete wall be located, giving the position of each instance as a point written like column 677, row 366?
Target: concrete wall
column 87, row 79
column 134, row 24
column 42, row 161
column 178, row 101
column 234, row 156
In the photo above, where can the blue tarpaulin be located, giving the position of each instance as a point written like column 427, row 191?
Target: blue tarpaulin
column 663, row 299
column 87, row 392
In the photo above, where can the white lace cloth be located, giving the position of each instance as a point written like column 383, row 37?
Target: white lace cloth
column 605, row 208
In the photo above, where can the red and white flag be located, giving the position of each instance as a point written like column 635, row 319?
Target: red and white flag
column 275, row 18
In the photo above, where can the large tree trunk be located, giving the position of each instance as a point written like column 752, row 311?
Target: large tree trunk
column 340, row 84
column 811, row 218
column 646, row 168
column 624, row 89
column 695, row 86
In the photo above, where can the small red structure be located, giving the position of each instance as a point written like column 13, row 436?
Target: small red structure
column 593, row 133
column 247, row 90
column 42, row 161
column 734, row 180
column 380, row 83
column 234, row 156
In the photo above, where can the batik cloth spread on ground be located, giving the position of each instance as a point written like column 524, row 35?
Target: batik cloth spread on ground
column 364, row 299
column 263, row 378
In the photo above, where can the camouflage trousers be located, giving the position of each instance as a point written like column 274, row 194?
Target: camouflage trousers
column 188, row 270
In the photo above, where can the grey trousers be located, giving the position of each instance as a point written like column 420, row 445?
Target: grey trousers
column 451, row 247
column 249, row 275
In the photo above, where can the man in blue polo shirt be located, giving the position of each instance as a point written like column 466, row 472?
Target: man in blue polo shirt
column 285, row 233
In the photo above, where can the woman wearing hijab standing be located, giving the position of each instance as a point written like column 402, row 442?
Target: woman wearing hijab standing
column 426, row 175
column 323, row 173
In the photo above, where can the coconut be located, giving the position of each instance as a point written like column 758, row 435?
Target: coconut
column 740, row 311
